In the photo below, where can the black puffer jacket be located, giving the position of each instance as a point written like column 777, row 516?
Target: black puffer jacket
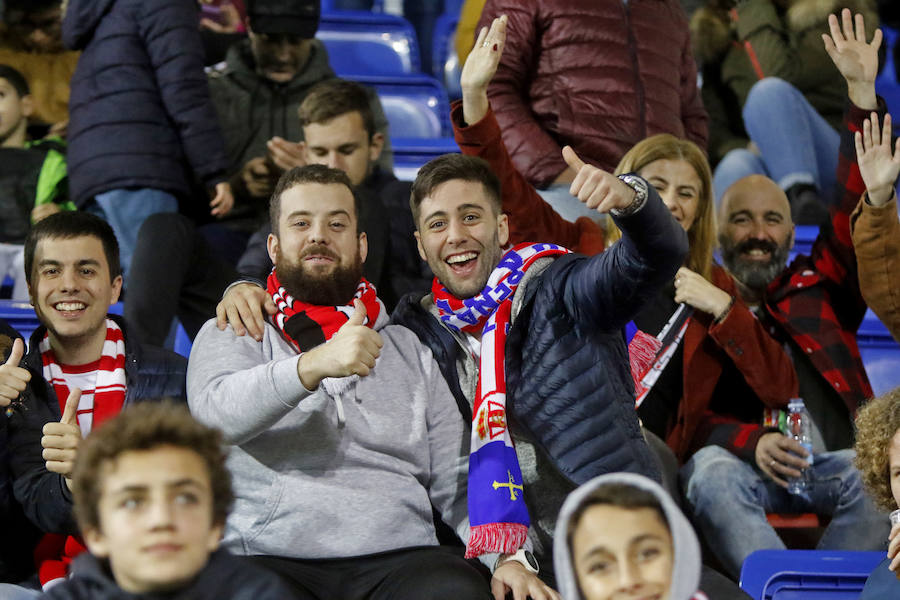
column 150, row 373
column 568, row 380
column 140, row 112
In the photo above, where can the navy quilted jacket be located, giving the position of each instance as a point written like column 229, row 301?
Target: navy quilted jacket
column 150, row 373
column 140, row 113
column 568, row 380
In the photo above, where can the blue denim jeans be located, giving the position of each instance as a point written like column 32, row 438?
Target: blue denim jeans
column 126, row 209
column 729, row 499
column 796, row 144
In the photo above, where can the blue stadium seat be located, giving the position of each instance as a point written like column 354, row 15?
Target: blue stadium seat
column 807, row 574
column 444, row 61
column 887, row 85
column 412, row 153
column 372, row 43
column 416, row 105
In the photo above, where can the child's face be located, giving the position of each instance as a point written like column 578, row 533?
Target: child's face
column 13, row 110
column 894, row 466
column 155, row 513
column 622, row 553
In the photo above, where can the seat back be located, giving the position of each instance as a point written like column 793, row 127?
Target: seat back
column 416, row 106
column 807, row 574
column 366, row 42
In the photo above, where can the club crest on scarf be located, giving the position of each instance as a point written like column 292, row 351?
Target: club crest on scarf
column 497, row 512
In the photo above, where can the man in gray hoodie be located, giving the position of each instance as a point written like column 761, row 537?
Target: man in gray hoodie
column 344, row 434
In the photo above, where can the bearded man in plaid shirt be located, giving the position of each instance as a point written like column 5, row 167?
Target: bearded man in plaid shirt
column 814, row 307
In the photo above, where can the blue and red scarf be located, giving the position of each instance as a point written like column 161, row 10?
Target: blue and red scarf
column 497, row 513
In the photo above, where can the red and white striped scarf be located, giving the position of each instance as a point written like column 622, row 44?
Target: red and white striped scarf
column 109, row 390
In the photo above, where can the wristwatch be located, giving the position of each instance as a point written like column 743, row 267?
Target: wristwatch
column 640, row 195
column 523, row 557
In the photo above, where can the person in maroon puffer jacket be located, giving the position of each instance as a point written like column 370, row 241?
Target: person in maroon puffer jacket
column 598, row 75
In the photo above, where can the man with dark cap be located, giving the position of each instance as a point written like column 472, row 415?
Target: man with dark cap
column 257, row 93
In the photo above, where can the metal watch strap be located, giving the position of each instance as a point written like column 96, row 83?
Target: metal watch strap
column 641, row 194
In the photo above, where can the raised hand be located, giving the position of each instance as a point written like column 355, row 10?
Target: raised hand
column 878, row 168
column 13, row 378
column 61, row 440
column 480, row 67
column 595, row 187
column 350, row 351
column 242, row 307
column 694, row 290
column 856, row 60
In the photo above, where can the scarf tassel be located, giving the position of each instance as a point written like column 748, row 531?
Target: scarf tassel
column 504, row 538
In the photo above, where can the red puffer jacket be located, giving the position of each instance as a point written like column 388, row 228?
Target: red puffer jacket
column 599, row 75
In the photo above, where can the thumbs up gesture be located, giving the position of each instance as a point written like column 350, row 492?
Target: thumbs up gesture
column 61, row 440
column 13, row 378
column 350, row 351
column 596, row 188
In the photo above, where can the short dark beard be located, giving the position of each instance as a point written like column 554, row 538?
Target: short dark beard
column 756, row 276
column 334, row 289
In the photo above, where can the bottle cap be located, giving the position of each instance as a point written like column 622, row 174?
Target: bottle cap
column 796, row 403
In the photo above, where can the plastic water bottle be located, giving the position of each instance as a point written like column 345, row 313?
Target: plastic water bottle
column 799, row 425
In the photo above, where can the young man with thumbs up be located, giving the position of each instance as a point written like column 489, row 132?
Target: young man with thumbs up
column 344, row 436
column 82, row 367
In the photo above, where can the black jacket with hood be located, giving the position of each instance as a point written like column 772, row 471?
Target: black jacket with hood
column 139, row 109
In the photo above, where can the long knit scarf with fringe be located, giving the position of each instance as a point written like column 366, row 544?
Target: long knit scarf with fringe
column 497, row 513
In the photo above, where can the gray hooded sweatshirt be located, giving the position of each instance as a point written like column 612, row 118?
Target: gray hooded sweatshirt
column 686, row 548
column 351, row 468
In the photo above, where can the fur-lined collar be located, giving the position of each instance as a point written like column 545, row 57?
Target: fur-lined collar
column 711, row 26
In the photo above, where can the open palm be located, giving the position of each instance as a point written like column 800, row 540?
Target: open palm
column 855, row 59
column 878, row 167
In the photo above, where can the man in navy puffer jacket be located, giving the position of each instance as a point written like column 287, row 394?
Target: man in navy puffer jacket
column 142, row 131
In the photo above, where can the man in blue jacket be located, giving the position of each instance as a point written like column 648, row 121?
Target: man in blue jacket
column 569, row 388
column 143, row 132
column 82, row 368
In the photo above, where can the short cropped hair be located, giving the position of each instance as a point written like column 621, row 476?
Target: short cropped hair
column 141, row 427
column 15, row 79
column 309, row 174
column 447, row 168
column 876, row 424
column 617, row 494
column 67, row 225
column 332, row 98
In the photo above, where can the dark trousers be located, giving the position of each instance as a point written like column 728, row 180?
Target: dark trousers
column 422, row 573
column 174, row 272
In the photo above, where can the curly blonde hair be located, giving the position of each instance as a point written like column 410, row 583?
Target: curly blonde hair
column 876, row 424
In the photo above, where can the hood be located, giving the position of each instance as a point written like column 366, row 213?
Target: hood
column 90, row 573
column 712, row 30
column 81, row 19
column 686, row 548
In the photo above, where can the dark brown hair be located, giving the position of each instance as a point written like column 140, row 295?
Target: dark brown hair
column 309, row 174
column 447, row 168
column 67, row 225
column 332, row 98
column 146, row 426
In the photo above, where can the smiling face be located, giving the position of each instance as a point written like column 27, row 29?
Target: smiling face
column 317, row 251
column 678, row 185
column 756, row 232
column 461, row 236
column 622, row 554
column 156, row 519
column 343, row 143
column 71, row 292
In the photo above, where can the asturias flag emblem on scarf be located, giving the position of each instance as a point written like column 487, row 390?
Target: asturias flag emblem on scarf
column 497, row 513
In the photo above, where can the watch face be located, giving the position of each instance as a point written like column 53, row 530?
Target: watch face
column 531, row 560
